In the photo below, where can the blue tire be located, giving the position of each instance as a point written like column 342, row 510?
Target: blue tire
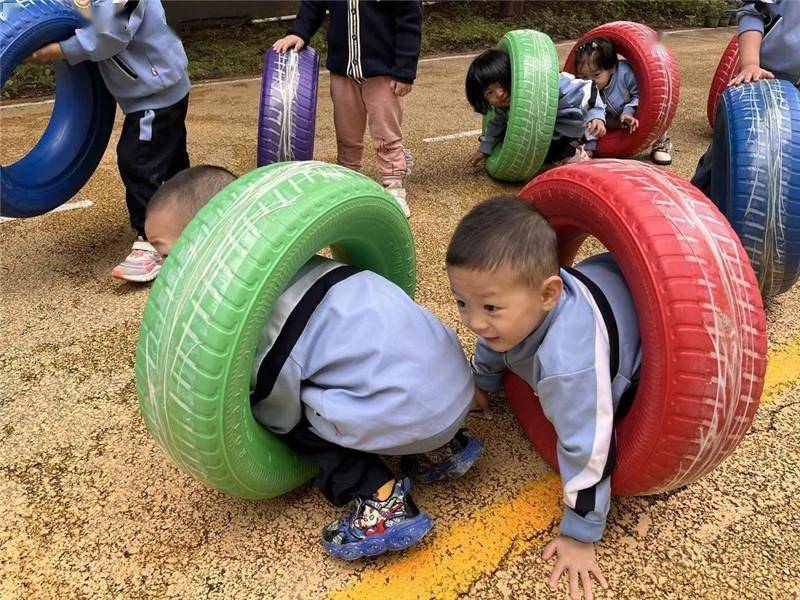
column 756, row 178
column 76, row 137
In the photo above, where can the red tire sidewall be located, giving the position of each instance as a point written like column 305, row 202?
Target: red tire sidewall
column 611, row 202
column 657, row 76
column 726, row 69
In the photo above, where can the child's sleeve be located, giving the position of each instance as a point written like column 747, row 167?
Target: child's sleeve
column 751, row 18
column 495, row 131
column 108, row 35
column 308, row 20
column 633, row 90
column 408, row 40
column 488, row 367
column 582, row 94
column 581, row 408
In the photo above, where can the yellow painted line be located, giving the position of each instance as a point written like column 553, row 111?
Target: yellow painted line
column 448, row 565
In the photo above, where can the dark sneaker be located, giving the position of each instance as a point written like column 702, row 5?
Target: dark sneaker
column 451, row 461
column 373, row 527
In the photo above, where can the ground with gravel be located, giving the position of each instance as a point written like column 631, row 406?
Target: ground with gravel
column 92, row 507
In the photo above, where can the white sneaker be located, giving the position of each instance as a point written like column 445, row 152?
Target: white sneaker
column 409, row 161
column 661, row 154
column 397, row 190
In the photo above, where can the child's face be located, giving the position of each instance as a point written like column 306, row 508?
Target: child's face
column 601, row 77
column 498, row 96
column 163, row 229
column 500, row 308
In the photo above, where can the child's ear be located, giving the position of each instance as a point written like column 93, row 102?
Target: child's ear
column 551, row 291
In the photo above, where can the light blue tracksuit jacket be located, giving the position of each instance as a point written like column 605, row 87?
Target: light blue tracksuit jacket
column 370, row 369
column 566, row 362
column 779, row 22
column 142, row 61
column 578, row 103
column 620, row 96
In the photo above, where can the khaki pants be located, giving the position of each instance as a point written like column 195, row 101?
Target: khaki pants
column 374, row 101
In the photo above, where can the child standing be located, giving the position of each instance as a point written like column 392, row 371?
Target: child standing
column 143, row 65
column 551, row 326
column 348, row 381
column 580, row 115
column 596, row 59
column 373, row 49
column 769, row 47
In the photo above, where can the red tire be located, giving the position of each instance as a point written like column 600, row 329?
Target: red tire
column 659, row 83
column 727, row 68
column 701, row 318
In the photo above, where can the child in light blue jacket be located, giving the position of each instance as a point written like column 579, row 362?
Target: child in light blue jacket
column 554, row 327
column 596, row 59
column 580, row 114
column 349, row 368
column 143, row 65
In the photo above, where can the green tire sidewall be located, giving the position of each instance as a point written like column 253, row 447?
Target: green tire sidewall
column 534, row 102
column 206, row 311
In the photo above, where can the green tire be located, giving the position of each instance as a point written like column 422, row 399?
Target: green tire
column 534, row 101
column 208, row 306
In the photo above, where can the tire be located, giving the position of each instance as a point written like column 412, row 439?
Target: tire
column 208, row 306
column 70, row 149
column 756, row 177
column 659, row 83
column 700, row 316
column 728, row 67
column 288, row 111
column 534, row 101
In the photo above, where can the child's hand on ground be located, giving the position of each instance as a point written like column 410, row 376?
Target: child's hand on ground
column 596, row 127
column 631, row 122
column 476, row 159
column 47, row 53
column 750, row 73
column 480, row 403
column 289, row 42
column 578, row 559
column 401, row 89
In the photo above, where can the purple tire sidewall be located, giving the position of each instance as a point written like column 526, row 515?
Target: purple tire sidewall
column 304, row 109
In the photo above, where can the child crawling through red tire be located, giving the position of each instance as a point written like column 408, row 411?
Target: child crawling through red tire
column 571, row 334
column 349, row 368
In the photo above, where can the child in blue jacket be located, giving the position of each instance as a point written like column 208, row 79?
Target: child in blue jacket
column 554, row 328
column 143, row 65
column 580, row 115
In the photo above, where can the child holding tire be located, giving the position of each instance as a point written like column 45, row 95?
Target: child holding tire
column 343, row 373
column 373, row 49
column 143, row 65
column 596, row 60
column 580, row 114
column 555, row 328
column 769, row 47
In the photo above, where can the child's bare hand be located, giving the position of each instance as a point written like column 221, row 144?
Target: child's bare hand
column 630, row 121
column 480, row 403
column 578, row 559
column 401, row 89
column 750, row 73
column 47, row 53
column 596, row 128
column 289, row 42
column 476, row 159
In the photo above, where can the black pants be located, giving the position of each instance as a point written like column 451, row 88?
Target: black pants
column 151, row 149
column 343, row 472
column 560, row 149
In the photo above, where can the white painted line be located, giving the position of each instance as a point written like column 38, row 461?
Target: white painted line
column 325, row 72
column 452, row 136
column 70, row 206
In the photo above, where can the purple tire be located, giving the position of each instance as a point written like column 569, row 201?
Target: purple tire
column 288, row 110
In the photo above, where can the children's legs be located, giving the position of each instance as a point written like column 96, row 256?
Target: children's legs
column 343, row 473
column 702, row 175
column 349, row 120
column 385, row 110
column 151, row 146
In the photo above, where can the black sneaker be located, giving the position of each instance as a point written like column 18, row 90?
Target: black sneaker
column 450, row 461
